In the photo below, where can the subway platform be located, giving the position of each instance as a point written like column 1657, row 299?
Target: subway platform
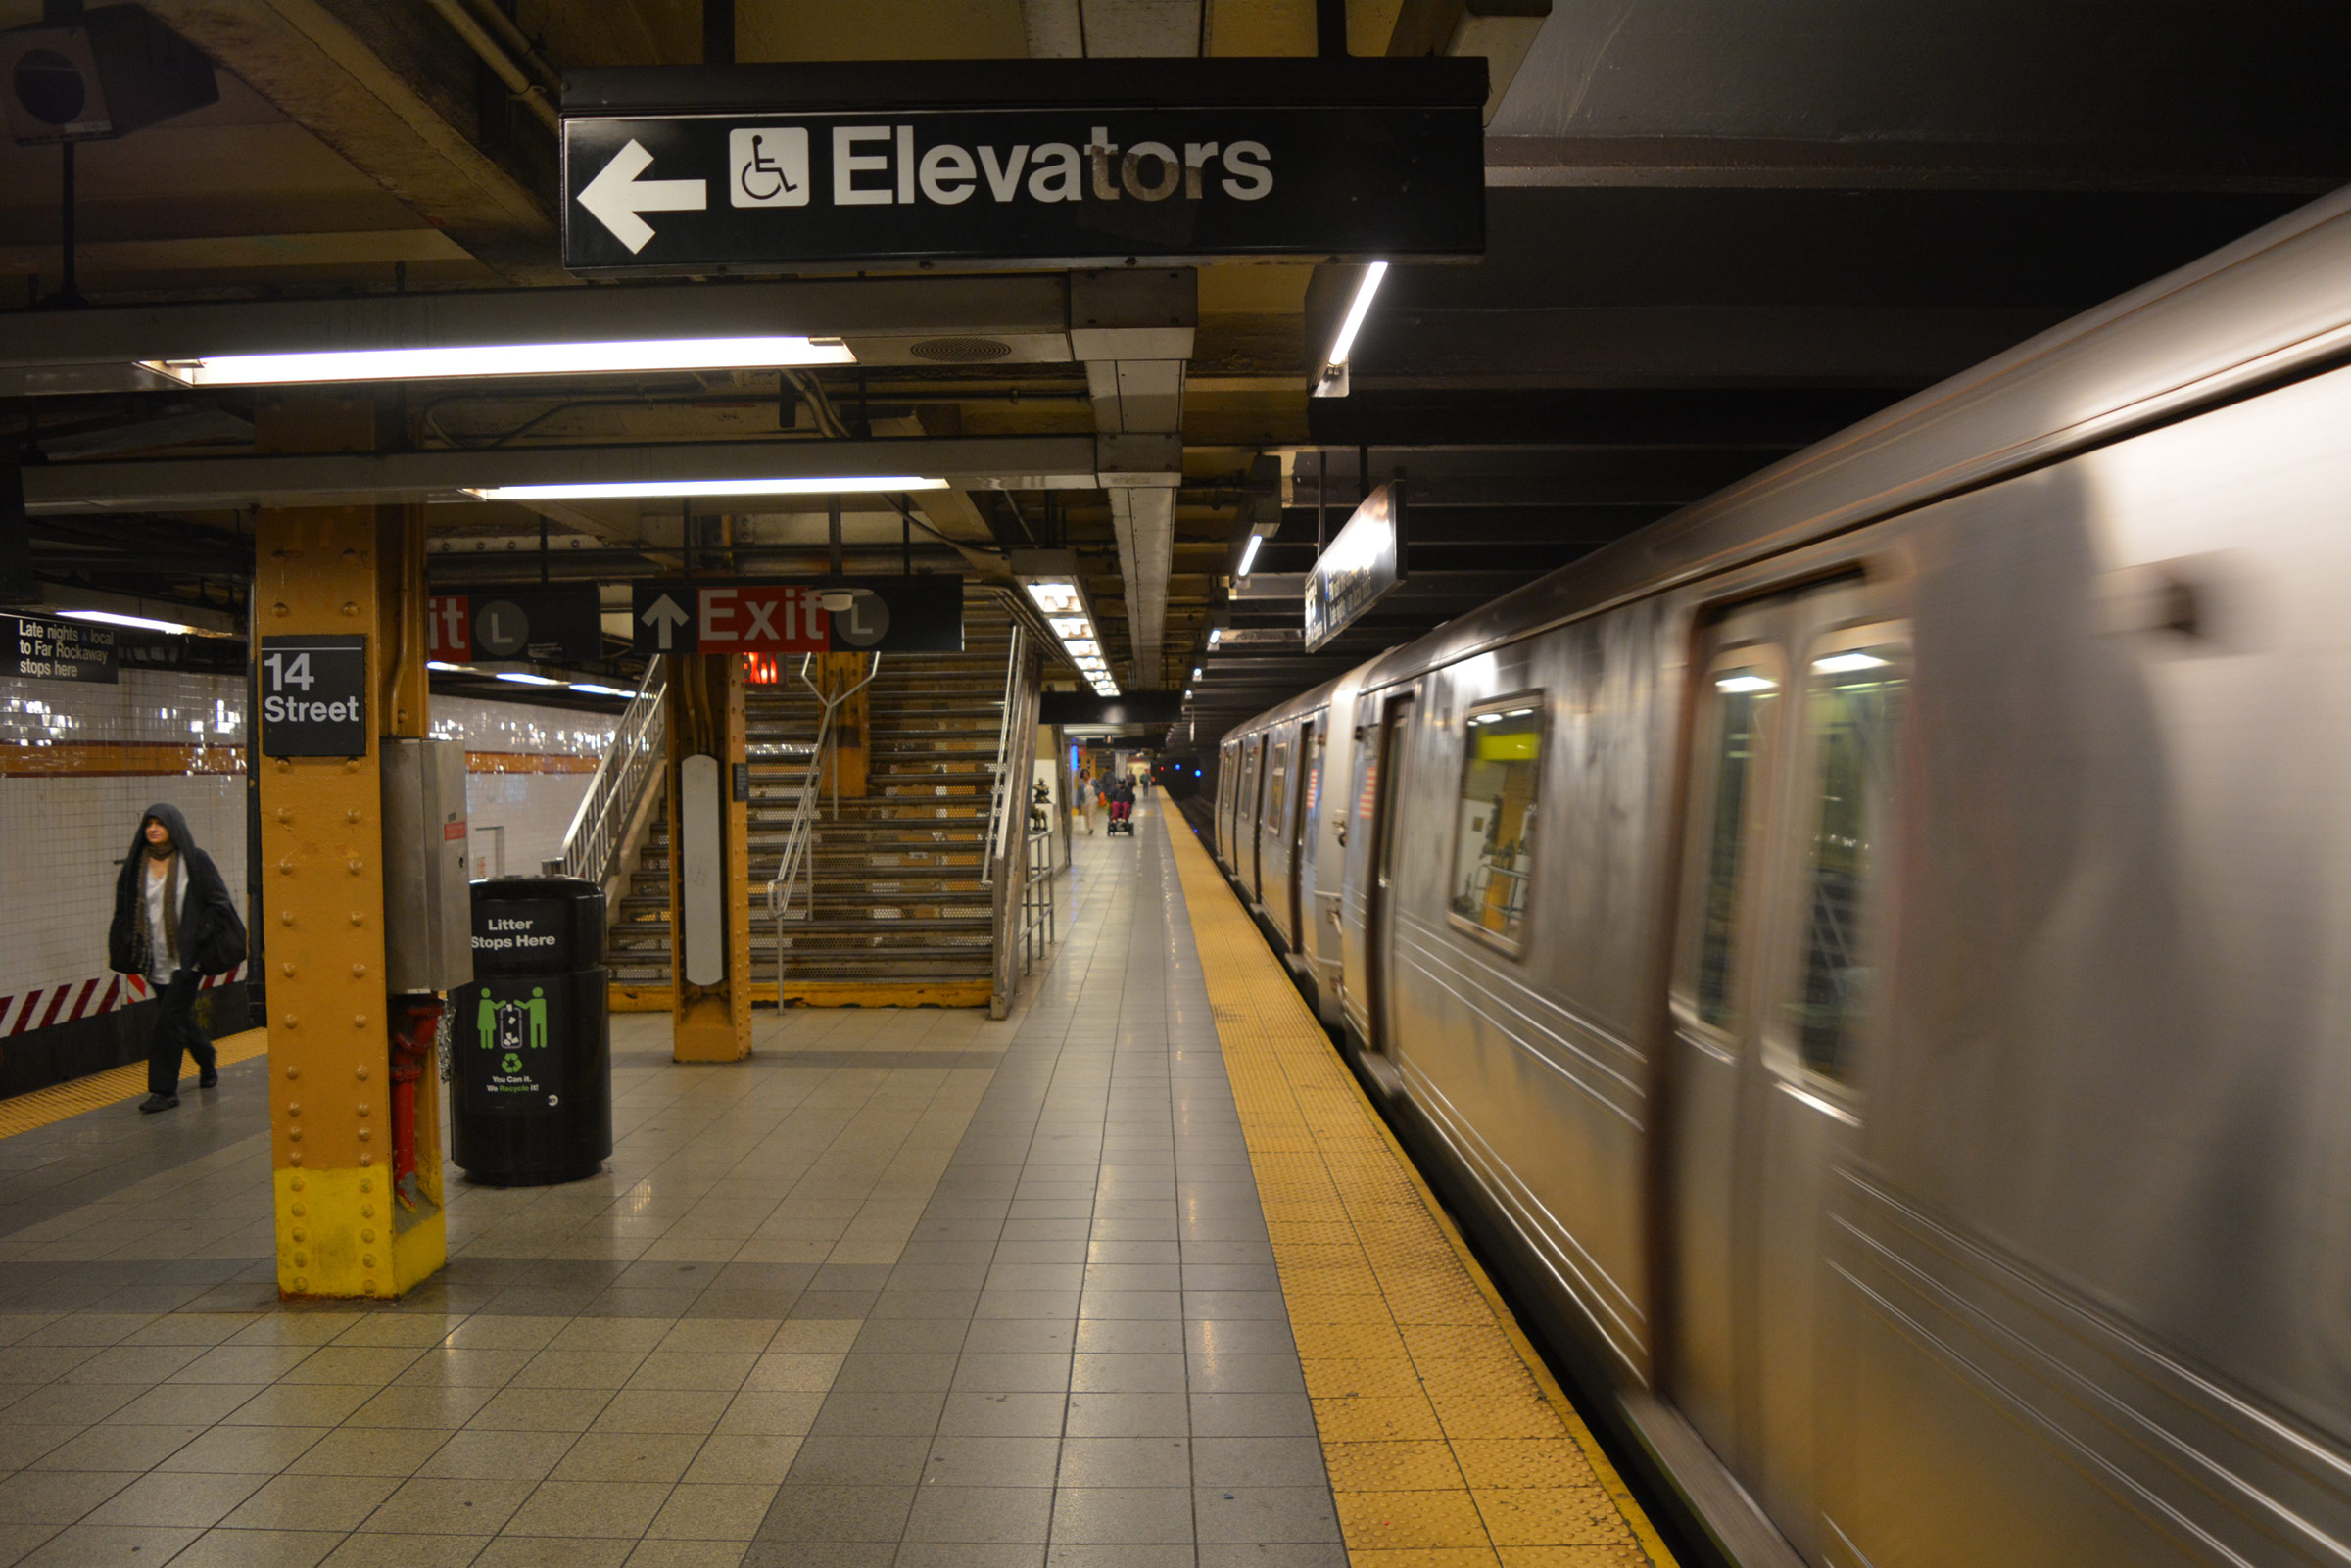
column 1132, row 1277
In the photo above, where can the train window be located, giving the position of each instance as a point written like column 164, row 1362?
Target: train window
column 1277, row 774
column 1853, row 709
column 1745, row 699
column 1494, row 828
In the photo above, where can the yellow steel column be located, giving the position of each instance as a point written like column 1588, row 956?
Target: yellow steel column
column 342, row 1227
column 710, row 1022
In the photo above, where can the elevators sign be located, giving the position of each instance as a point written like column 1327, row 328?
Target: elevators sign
column 507, row 1027
column 557, row 624
column 42, row 649
column 1361, row 565
column 1064, row 162
column 748, row 615
column 313, row 695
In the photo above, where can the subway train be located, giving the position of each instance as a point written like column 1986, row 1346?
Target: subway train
column 1869, row 954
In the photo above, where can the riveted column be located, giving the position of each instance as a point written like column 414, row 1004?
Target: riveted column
column 345, row 1226
column 710, row 861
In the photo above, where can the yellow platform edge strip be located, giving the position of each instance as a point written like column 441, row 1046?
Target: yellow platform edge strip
column 40, row 1108
column 1446, row 1437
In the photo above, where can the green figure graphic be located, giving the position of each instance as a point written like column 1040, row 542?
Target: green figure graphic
column 536, row 1008
column 487, row 1021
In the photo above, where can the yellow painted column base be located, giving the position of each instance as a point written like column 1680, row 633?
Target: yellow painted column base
column 705, row 1032
column 336, row 1236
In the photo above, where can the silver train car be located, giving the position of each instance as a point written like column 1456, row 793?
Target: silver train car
column 1872, row 951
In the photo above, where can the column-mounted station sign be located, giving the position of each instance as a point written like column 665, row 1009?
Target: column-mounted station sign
column 789, row 167
column 313, row 695
column 841, row 615
column 1358, row 568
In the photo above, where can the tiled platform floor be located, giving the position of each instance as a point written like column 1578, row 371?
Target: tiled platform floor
column 908, row 1288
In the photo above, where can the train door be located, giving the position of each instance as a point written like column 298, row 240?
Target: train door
column 1305, row 815
column 1274, row 823
column 1244, row 815
column 1387, row 856
column 1789, row 795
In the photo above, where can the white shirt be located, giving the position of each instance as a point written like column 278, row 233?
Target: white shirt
column 164, row 961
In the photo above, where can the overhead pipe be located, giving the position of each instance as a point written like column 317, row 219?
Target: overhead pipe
column 466, row 25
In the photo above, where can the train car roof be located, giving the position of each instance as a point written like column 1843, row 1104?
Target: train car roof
column 2265, row 308
column 1303, row 703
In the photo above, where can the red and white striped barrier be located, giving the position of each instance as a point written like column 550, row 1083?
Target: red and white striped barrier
column 47, row 1007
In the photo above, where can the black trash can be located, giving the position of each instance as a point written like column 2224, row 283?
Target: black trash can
column 531, row 1038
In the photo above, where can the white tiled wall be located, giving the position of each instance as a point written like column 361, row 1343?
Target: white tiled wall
column 519, row 818
column 61, row 837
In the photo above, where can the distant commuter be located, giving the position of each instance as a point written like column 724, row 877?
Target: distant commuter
column 174, row 924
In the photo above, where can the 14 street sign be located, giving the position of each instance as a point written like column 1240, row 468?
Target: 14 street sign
column 746, row 615
column 1188, row 159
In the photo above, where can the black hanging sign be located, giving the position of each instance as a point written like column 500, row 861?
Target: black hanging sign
column 561, row 625
column 750, row 170
column 1362, row 564
column 42, row 649
column 751, row 615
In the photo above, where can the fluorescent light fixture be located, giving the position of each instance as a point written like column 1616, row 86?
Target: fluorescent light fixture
column 1249, row 552
column 1196, row 671
column 1085, row 647
column 1344, row 344
column 140, row 623
column 525, row 678
column 1745, row 683
column 1847, row 663
column 1069, row 626
column 707, row 487
column 1055, row 598
column 1214, row 632
column 445, row 668
column 595, row 690
column 503, row 360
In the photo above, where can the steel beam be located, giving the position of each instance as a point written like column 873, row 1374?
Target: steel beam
column 1007, row 462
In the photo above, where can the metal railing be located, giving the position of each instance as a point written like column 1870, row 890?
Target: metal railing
column 799, row 861
column 1037, row 898
column 599, row 832
column 1003, row 799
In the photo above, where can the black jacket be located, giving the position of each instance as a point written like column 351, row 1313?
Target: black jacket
column 212, row 933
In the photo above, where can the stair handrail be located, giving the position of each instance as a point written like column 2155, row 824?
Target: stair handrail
column 593, row 842
column 1002, row 797
column 802, row 834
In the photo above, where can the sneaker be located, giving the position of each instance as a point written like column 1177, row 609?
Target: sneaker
column 208, row 1078
column 159, row 1102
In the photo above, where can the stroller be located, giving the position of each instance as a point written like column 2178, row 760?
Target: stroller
column 1122, row 810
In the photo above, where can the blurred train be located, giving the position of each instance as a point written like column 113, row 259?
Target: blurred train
column 1872, row 951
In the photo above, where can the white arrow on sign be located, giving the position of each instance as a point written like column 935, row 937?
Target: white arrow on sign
column 664, row 617
column 616, row 196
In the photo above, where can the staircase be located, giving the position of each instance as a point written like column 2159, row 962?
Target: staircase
column 899, row 914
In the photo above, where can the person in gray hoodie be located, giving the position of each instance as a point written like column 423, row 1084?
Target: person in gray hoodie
column 175, row 922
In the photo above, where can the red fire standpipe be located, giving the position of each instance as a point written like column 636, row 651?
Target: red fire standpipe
column 419, row 1019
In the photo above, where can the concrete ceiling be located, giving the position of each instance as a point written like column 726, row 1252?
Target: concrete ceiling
column 1718, row 231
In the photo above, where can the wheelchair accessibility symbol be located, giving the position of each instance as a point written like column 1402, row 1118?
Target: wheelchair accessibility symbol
column 768, row 166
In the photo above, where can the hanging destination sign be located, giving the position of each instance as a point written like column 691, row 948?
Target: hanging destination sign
column 1026, row 161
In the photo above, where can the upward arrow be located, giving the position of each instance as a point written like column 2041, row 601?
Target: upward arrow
column 664, row 617
column 616, row 196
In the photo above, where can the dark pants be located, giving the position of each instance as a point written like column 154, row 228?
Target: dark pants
column 177, row 1030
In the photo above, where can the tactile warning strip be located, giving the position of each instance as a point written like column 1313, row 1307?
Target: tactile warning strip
column 38, row 1108
column 1449, row 1444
